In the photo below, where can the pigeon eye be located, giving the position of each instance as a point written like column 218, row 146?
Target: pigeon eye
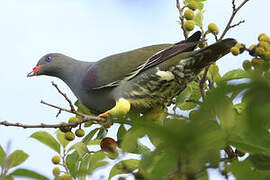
column 48, row 58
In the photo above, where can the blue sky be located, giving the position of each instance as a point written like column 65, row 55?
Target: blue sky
column 88, row 30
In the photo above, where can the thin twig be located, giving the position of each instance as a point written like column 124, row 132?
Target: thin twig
column 181, row 17
column 65, row 96
column 201, row 85
column 235, row 10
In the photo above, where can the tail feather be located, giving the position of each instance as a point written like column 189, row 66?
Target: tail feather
column 212, row 53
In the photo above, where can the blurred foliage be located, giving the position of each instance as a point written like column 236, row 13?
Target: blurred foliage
column 222, row 124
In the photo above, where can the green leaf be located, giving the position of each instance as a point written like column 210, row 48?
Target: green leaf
column 102, row 133
column 129, row 143
column 16, row 158
column 72, row 161
column 47, row 139
column 94, row 142
column 239, row 108
column 165, row 165
column 235, row 74
column 121, row 132
column 81, row 149
column 118, row 168
column 61, row 138
column 96, row 161
column 198, row 19
column 2, row 156
column 82, row 108
column 89, row 136
column 84, row 163
column 28, row 174
column 260, row 161
column 9, row 177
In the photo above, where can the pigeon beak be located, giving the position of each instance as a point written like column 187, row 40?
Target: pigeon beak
column 35, row 71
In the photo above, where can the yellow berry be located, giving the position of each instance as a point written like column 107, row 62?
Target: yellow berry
column 66, row 177
column 69, row 136
column 56, row 171
column 267, row 55
column 235, row 51
column 192, row 5
column 73, row 120
column 189, row 25
column 212, row 28
column 79, row 132
column 257, row 62
column 252, row 46
column 56, row 159
column 189, row 14
column 246, row 65
column 259, row 51
column 264, row 37
column 64, row 128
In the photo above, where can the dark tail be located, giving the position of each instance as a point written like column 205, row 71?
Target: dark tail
column 212, row 53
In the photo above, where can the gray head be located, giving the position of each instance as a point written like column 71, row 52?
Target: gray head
column 53, row 64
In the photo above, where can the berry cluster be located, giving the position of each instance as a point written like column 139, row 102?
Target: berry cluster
column 69, row 135
column 56, row 171
column 260, row 53
column 189, row 15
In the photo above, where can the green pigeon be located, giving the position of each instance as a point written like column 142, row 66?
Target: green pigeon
column 139, row 80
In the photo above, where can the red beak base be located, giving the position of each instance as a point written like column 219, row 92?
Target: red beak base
column 35, row 71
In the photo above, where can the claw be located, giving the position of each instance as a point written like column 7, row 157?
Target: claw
column 104, row 115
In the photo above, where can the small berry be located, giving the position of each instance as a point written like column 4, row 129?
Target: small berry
column 69, row 136
column 108, row 144
column 264, row 37
column 212, row 28
column 64, row 128
column 56, row 171
column 259, row 51
column 56, row 159
column 192, row 5
column 189, row 25
column 246, row 65
column 73, row 120
column 79, row 132
column 267, row 55
column 241, row 47
column 189, row 14
column 88, row 124
column 235, row 51
column 66, row 177
column 257, row 62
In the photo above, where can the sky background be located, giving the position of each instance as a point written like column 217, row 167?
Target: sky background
column 89, row 30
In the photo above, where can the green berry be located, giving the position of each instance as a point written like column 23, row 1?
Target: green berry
column 88, row 124
column 212, row 28
column 69, row 136
column 246, row 65
column 257, row 62
column 73, row 120
column 189, row 25
column 264, row 37
column 259, row 51
column 56, row 159
column 79, row 132
column 189, row 14
column 56, row 171
column 66, row 177
column 192, row 5
column 235, row 51
column 64, row 128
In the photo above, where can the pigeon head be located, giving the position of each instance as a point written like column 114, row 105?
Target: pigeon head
column 52, row 64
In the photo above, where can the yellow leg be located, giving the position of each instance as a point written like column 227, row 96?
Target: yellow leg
column 121, row 108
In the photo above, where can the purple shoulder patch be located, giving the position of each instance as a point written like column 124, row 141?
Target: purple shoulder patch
column 90, row 78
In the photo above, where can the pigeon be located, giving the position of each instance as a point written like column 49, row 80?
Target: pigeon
column 139, row 80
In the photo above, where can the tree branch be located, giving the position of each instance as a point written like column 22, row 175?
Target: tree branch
column 181, row 17
column 234, row 12
column 65, row 96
